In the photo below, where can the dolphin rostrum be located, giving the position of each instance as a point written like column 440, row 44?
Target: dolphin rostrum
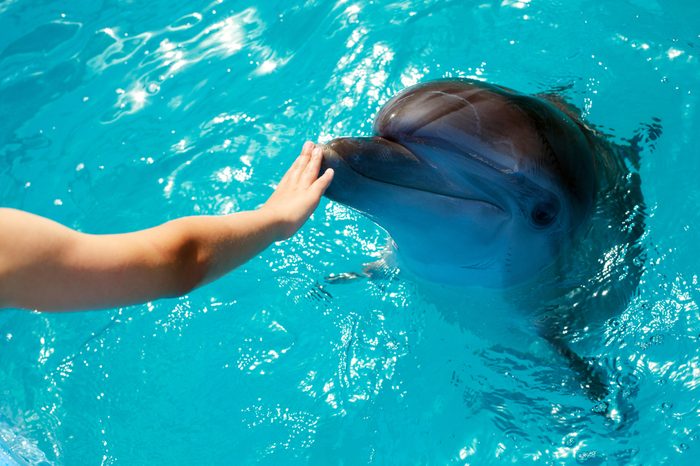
column 480, row 185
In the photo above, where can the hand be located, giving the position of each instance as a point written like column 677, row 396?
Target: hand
column 299, row 192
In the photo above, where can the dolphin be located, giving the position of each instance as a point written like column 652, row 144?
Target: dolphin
column 480, row 185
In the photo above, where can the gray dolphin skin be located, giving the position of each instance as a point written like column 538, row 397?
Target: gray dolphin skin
column 480, row 185
column 475, row 183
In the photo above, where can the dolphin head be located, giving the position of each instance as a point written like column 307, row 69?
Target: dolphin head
column 475, row 183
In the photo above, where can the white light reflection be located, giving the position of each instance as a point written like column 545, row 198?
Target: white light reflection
column 565, row 452
column 228, row 174
column 520, row 4
column 411, row 76
column 363, row 75
column 673, row 53
column 225, row 37
column 469, row 450
column 219, row 40
column 270, row 65
column 120, row 51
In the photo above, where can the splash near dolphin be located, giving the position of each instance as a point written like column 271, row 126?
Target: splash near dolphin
column 480, row 185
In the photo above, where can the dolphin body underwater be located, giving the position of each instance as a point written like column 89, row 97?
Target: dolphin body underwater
column 479, row 185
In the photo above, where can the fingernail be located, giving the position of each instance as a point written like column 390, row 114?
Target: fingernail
column 317, row 152
column 307, row 145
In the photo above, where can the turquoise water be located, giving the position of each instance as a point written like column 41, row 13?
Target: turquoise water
column 118, row 115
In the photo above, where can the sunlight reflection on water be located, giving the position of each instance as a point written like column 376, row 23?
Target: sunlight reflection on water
column 120, row 115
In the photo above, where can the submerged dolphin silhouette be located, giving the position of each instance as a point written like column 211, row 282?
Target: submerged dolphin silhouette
column 481, row 185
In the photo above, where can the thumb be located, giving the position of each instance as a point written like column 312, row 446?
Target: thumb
column 321, row 184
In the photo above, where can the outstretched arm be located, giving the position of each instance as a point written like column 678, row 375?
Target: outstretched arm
column 47, row 266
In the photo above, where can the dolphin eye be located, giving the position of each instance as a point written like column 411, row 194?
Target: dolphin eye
column 544, row 214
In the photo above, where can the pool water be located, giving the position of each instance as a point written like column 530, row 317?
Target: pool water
column 118, row 115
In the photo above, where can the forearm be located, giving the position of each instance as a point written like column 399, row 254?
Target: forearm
column 46, row 266
column 170, row 259
column 198, row 250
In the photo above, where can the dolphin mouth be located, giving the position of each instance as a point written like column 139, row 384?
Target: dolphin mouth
column 383, row 161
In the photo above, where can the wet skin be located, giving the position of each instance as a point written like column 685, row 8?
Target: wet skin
column 503, row 179
column 480, row 185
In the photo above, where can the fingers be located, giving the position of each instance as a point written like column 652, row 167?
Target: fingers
column 299, row 164
column 310, row 173
column 321, row 184
column 303, row 174
column 308, row 148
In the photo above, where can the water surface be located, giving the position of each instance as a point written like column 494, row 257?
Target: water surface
column 118, row 115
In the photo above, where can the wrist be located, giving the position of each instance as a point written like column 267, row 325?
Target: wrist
column 273, row 223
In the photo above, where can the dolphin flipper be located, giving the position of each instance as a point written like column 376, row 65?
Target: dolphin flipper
column 376, row 271
column 453, row 161
column 383, row 269
column 344, row 278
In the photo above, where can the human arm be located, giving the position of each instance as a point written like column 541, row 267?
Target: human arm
column 47, row 266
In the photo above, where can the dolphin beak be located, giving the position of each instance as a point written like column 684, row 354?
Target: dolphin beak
column 357, row 161
column 380, row 160
column 374, row 157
